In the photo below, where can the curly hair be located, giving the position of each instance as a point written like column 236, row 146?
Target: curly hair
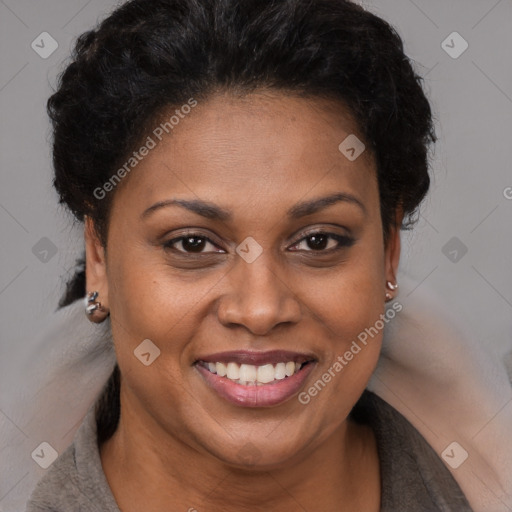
column 151, row 55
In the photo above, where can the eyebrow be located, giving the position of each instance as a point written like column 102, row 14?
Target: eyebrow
column 214, row 212
column 315, row 205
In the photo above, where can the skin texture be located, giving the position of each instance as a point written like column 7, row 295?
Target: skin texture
column 178, row 442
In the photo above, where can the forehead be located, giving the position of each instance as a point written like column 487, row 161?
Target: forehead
column 262, row 147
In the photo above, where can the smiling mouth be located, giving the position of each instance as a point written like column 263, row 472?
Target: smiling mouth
column 254, row 375
column 256, row 379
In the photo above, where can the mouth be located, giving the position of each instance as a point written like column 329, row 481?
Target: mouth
column 256, row 379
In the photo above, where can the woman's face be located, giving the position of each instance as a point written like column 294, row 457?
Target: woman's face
column 235, row 274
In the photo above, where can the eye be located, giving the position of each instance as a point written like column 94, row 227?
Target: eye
column 323, row 242
column 192, row 243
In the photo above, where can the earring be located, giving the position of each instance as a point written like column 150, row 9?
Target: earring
column 392, row 287
column 94, row 310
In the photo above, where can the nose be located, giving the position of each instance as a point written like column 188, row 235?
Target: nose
column 258, row 299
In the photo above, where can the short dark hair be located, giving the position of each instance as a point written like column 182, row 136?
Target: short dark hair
column 150, row 55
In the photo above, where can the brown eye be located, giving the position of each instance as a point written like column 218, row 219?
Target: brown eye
column 323, row 242
column 317, row 242
column 192, row 243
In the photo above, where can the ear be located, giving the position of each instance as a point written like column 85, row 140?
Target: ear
column 95, row 263
column 393, row 247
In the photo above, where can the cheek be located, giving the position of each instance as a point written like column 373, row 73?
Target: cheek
column 351, row 345
column 352, row 324
column 150, row 301
column 147, row 298
column 348, row 308
column 148, row 304
column 350, row 298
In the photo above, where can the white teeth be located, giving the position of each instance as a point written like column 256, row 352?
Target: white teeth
column 266, row 373
column 280, row 371
column 250, row 375
column 248, row 372
column 233, row 371
column 221, row 369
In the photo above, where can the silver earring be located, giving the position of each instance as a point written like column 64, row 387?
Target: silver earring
column 94, row 309
column 392, row 287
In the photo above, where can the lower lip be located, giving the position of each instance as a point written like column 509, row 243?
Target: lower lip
column 266, row 395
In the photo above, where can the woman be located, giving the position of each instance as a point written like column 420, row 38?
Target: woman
column 243, row 170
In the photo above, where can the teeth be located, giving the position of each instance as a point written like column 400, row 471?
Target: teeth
column 221, row 369
column 233, row 371
column 248, row 372
column 290, row 369
column 280, row 371
column 251, row 375
column 266, row 373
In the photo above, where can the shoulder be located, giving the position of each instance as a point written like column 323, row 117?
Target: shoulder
column 75, row 482
column 58, row 488
column 413, row 476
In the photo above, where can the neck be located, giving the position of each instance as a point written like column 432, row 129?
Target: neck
column 147, row 469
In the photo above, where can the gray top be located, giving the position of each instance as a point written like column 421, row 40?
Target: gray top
column 413, row 477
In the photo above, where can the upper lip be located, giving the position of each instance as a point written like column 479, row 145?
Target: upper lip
column 257, row 358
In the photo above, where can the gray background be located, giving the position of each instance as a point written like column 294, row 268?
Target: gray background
column 472, row 99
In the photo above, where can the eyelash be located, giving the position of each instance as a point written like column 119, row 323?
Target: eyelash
column 342, row 240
